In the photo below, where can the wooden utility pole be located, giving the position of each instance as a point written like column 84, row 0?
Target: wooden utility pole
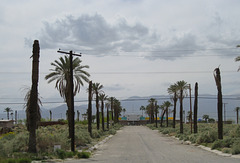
column 71, row 110
column 195, row 108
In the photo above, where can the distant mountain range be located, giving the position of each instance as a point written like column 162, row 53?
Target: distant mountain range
column 207, row 104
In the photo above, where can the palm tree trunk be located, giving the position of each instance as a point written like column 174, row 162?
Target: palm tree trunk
column 107, row 118
column 102, row 109
column 112, row 107
column 237, row 115
column 195, row 109
column 167, row 116
column 156, row 113
column 163, row 113
column 220, row 103
column 90, row 108
column 174, row 109
column 97, row 115
column 33, row 119
column 181, row 111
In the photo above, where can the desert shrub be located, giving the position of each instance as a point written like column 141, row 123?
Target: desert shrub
column 235, row 133
column 61, row 153
column 236, row 147
column 226, row 150
column 69, row 154
column 193, row 138
column 84, row 154
column 95, row 134
column 112, row 132
column 207, row 137
column 82, row 137
column 24, row 160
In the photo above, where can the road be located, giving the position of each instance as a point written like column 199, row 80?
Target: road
column 139, row 144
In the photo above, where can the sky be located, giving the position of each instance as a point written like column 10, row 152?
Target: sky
column 133, row 47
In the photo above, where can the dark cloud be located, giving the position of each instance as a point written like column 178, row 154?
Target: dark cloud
column 94, row 33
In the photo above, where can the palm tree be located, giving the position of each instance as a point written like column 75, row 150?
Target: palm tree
column 217, row 77
column 96, row 87
column 8, row 110
column 237, row 58
column 195, row 108
column 167, row 104
column 102, row 98
column 237, row 112
column 142, row 108
column 152, row 101
column 61, row 74
column 182, row 86
column 173, row 91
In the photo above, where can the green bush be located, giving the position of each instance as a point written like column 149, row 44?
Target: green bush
column 61, row 154
column 84, row 154
column 24, row 160
column 207, row 137
column 236, row 147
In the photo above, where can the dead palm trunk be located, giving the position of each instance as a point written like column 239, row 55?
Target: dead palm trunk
column 107, row 117
column 174, row 109
column 163, row 113
column 195, row 109
column 217, row 77
column 102, row 109
column 97, row 107
column 90, row 108
column 33, row 108
column 156, row 111
column 181, row 111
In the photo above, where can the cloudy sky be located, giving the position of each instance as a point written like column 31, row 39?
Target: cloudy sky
column 133, row 47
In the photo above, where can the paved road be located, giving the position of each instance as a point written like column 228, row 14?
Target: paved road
column 139, row 144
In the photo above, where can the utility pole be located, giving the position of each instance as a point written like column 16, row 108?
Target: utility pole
column 71, row 110
column 190, row 106
column 224, row 104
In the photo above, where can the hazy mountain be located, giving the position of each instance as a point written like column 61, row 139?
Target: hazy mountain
column 207, row 104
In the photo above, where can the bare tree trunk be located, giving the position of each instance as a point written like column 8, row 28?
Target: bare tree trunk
column 97, row 115
column 102, row 109
column 107, row 118
column 156, row 113
column 167, row 116
column 181, row 111
column 174, row 109
column 163, row 113
column 112, row 107
column 237, row 115
column 220, row 103
column 33, row 105
column 90, row 108
column 195, row 108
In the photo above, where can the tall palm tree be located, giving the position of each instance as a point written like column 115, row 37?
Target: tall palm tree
column 61, row 74
column 102, row 98
column 217, row 77
column 172, row 90
column 8, row 110
column 182, row 86
column 167, row 105
column 237, row 109
column 151, row 102
column 162, row 114
column 96, row 90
